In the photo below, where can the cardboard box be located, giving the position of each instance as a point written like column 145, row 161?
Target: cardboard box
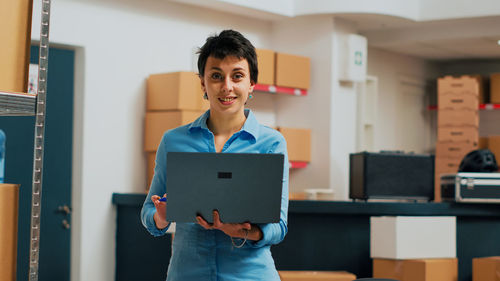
column 265, row 59
column 407, row 237
column 456, row 118
column 443, row 165
column 456, row 150
column 484, row 96
column 457, row 134
column 483, row 143
column 494, row 146
column 486, row 269
column 446, row 165
column 297, row 196
column 151, row 158
column 495, row 88
column 316, row 276
column 416, row 270
column 463, row 85
column 157, row 123
column 298, row 143
column 458, row 101
column 293, row 71
column 9, row 203
column 15, row 35
column 175, row 91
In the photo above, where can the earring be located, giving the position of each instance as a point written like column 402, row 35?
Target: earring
column 250, row 96
column 205, row 96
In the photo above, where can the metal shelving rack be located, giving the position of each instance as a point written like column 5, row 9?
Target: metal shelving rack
column 21, row 104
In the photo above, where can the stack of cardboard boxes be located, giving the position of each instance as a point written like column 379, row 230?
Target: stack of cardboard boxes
column 287, row 70
column 414, row 248
column 172, row 100
column 458, row 124
column 284, row 70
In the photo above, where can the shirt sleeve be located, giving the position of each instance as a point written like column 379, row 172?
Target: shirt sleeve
column 274, row 233
column 157, row 188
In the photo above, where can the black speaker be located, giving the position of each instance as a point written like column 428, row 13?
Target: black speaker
column 391, row 175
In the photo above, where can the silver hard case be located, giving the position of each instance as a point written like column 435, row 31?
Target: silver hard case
column 471, row 187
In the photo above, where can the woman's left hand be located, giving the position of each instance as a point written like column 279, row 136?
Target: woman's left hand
column 236, row 230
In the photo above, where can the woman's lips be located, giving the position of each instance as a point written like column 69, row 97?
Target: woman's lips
column 227, row 100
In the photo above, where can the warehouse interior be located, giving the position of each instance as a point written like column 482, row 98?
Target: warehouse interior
column 105, row 51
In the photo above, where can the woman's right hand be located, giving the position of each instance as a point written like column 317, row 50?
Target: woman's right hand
column 160, row 217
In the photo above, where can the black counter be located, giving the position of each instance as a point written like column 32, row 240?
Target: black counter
column 322, row 235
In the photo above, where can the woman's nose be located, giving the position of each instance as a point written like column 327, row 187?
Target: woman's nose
column 227, row 86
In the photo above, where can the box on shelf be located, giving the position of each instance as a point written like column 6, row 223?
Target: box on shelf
column 455, row 149
column 494, row 146
column 495, row 88
column 447, row 165
column 463, row 85
column 457, row 134
column 15, row 47
column 151, row 166
column 417, row 237
column 298, row 143
column 416, row 269
column 486, row 269
column 483, row 143
column 297, row 196
column 484, row 96
column 291, row 275
column 9, row 205
column 265, row 59
column 452, row 118
column 458, row 101
column 292, row 71
column 175, row 91
column 157, row 123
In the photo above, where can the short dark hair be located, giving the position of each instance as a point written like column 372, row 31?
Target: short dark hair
column 228, row 43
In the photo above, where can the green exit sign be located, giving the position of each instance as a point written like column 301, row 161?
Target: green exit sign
column 358, row 58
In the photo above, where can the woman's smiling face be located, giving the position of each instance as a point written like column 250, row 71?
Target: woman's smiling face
column 227, row 84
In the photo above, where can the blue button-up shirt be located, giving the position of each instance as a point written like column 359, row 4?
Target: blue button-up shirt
column 200, row 254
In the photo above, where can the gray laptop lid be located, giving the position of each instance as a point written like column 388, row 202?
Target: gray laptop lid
column 242, row 187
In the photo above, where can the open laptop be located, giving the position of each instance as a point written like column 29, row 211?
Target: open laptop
column 242, row 187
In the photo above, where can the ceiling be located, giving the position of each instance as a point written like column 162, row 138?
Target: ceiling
column 473, row 38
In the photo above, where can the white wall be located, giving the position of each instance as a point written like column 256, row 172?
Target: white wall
column 403, row 121
column 309, row 36
column 118, row 44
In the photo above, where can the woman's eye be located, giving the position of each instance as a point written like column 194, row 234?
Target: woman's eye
column 216, row 76
column 238, row 76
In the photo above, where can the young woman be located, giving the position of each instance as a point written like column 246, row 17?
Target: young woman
column 227, row 66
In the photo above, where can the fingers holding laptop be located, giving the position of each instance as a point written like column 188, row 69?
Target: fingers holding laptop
column 161, row 211
column 238, row 230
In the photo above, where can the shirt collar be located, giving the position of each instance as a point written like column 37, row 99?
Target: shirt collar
column 251, row 125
